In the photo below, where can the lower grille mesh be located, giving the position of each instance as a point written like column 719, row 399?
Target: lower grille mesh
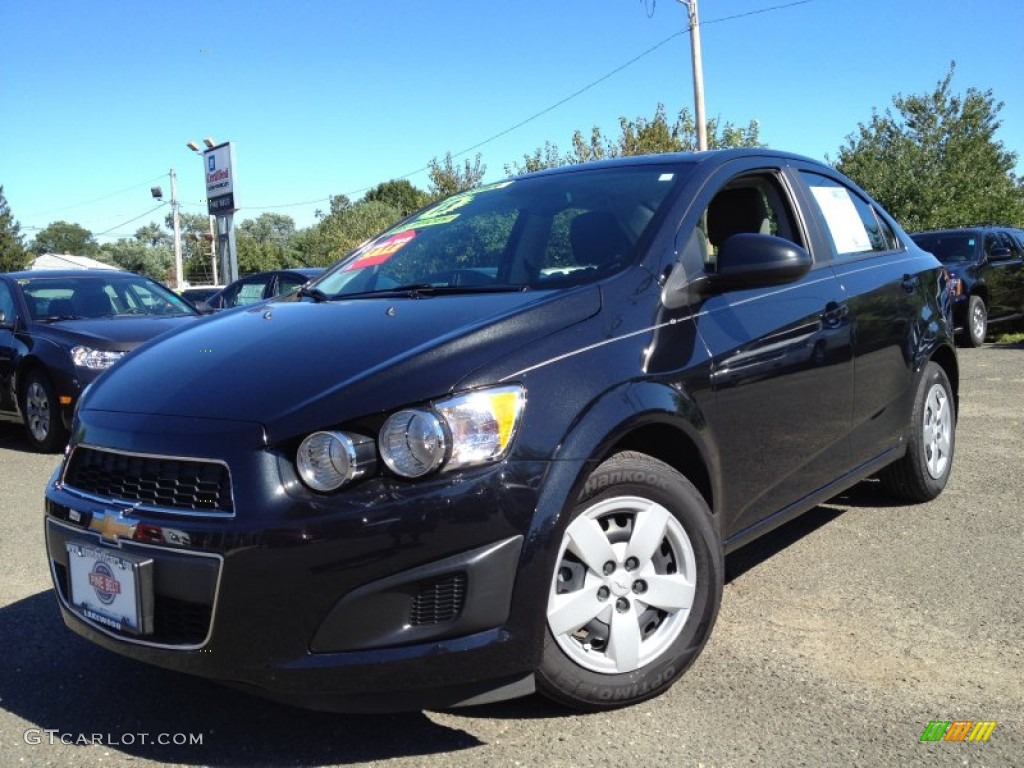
column 439, row 601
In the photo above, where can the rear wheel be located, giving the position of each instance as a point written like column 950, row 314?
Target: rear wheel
column 977, row 321
column 635, row 589
column 43, row 424
column 923, row 471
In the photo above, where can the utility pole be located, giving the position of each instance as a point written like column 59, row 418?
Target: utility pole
column 179, row 282
column 698, row 75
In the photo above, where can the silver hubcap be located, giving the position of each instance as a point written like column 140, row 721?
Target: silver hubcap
column 37, row 411
column 978, row 321
column 938, row 431
column 623, row 587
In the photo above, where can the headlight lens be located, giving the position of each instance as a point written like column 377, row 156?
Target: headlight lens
column 95, row 359
column 328, row 460
column 482, row 424
column 413, row 442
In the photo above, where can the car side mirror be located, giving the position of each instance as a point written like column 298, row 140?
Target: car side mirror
column 203, row 307
column 749, row 260
column 1000, row 254
column 3, row 320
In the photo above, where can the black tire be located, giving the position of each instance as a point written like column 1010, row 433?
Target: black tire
column 923, row 471
column 655, row 528
column 976, row 324
column 40, row 412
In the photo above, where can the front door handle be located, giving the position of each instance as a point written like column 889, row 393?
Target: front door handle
column 834, row 314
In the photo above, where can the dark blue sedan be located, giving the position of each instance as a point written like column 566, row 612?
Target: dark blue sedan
column 505, row 446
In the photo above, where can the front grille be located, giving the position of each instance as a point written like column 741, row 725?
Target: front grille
column 439, row 601
column 154, row 481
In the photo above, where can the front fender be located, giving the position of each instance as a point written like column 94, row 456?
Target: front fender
column 619, row 417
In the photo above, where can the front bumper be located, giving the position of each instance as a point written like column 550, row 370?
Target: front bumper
column 387, row 596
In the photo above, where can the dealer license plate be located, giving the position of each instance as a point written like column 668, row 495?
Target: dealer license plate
column 111, row 589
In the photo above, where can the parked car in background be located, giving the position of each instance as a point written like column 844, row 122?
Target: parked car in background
column 987, row 268
column 261, row 286
column 504, row 446
column 200, row 292
column 59, row 330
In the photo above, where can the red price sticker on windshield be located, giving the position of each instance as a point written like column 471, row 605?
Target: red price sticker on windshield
column 382, row 251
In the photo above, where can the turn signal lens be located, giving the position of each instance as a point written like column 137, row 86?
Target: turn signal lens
column 482, row 424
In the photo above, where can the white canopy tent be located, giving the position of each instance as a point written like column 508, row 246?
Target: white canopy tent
column 66, row 261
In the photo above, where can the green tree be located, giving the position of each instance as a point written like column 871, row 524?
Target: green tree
column 152, row 235
column 137, row 256
column 195, row 245
column 12, row 250
column 643, row 136
column 936, row 162
column 447, row 178
column 343, row 229
column 267, row 242
column 65, row 237
column 399, row 194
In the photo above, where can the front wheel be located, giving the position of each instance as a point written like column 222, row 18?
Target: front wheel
column 923, row 471
column 43, row 424
column 635, row 589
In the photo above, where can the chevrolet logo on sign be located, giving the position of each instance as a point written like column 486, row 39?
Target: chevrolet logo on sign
column 112, row 526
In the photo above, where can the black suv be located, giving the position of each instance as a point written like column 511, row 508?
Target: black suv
column 504, row 446
column 987, row 267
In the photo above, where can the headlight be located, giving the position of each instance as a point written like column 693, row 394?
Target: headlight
column 481, row 424
column 95, row 359
column 475, row 428
column 328, row 460
column 413, row 443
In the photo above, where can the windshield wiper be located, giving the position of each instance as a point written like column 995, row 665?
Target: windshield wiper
column 420, row 290
column 56, row 318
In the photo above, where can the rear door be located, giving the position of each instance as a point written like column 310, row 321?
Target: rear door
column 885, row 296
column 1004, row 273
column 781, row 361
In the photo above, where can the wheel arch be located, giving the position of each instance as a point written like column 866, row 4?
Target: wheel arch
column 647, row 417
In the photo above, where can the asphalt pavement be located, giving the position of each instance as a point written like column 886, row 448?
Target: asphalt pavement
column 841, row 637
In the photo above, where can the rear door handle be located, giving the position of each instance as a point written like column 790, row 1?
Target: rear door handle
column 910, row 283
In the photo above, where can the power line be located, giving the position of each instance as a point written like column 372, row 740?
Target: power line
column 96, row 199
column 557, row 104
column 116, row 226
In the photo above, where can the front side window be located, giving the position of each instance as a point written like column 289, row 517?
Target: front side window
column 547, row 231
column 754, row 204
column 853, row 224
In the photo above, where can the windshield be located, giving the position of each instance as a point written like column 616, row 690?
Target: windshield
column 542, row 232
column 958, row 246
column 76, row 298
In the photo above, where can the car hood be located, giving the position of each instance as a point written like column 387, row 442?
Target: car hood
column 298, row 366
column 122, row 333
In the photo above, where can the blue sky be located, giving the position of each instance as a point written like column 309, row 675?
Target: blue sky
column 98, row 99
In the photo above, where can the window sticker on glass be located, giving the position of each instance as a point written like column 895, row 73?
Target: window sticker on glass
column 382, row 251
column 847, row 229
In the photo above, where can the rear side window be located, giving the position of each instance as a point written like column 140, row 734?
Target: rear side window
column 853, row 224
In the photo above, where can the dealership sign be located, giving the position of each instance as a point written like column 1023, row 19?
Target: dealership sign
column 220, row 179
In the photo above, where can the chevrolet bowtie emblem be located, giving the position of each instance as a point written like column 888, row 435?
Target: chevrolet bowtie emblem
column 112, row 526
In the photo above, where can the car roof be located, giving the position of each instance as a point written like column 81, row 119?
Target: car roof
column 712, row 156
column 97, row 274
